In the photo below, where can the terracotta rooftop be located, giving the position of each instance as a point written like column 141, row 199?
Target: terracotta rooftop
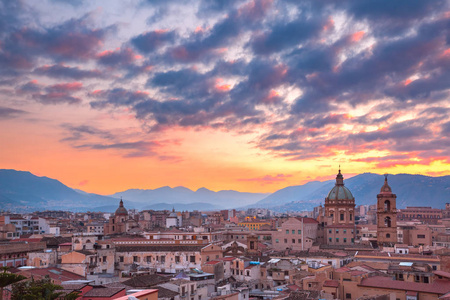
column 103, row 292
column 331, row 283
column 145, row 281
column 442, row 274
column 436, row 287
column 53, row 273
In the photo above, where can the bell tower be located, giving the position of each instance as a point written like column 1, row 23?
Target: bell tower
column 386, row 216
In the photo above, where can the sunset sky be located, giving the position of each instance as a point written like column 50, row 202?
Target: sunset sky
column 224, row 94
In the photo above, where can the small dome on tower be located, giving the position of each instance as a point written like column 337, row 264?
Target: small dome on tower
column 121, row 210
column 385, row 188
column 339, row 191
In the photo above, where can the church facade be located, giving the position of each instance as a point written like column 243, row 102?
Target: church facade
column 338, row 218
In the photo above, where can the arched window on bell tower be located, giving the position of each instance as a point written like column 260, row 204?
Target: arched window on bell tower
column 387, row 205
column 387, row 222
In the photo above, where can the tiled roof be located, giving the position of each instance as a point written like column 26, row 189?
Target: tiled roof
column 165, row 293
column 53, row 273
column 146, row 281
column 331, row 283
column 103, row 291
column 436, row 287
column 442, row 274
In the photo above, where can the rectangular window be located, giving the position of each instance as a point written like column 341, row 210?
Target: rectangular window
column 337, row 230
column 163, row 259
column 348, row 296
column 276, row 241
column 329, row 231
column 299, row 232
column 293, row 241
column 342, row 217
column 120, row 258
column 329, row 239
column 351, row 217
column 192, row 259
column 104, row 258
column 285, row 241
column 345, row 240
column 337, row 240
column 177, row 259
column 287, row 231
column 299, row 241
column 135, row 258
column 421, row 236
column 293, row 231
column 149, row 259
column 345, row 231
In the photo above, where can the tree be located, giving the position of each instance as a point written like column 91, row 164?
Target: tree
column 42, row 289
column 8, row 279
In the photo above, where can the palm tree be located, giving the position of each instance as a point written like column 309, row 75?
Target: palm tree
column 8, row 279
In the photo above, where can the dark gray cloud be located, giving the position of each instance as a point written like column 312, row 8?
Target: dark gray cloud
column 67, row 72
column 10, row 113
column 73, row 40
column 130, row 149
column 153, row 40
column 81, row 132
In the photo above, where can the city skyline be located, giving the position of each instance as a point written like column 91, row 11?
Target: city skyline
column 251, row 96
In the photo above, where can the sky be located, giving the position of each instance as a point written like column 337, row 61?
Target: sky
column 252, row 96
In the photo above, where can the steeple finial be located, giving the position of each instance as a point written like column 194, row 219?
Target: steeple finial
column 339, row 177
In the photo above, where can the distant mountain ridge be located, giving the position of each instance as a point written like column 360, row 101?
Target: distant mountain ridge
column 411, row 190
column 23, row 191
column 183, row 196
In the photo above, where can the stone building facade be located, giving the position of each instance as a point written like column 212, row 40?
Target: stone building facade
column 339, row 215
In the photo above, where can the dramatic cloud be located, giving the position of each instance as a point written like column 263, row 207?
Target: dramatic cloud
column 66, row 72
column 307, row 81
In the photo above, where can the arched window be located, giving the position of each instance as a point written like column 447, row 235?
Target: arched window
column 387, row 205
column 387, row 222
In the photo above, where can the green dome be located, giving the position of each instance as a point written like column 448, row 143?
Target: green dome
column 340, row 192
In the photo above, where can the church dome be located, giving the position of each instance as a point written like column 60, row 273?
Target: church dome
column 385, row 188
column 339, row 191
column 121, row 210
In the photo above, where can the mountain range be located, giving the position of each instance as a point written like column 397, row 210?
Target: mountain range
column 23, row 191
